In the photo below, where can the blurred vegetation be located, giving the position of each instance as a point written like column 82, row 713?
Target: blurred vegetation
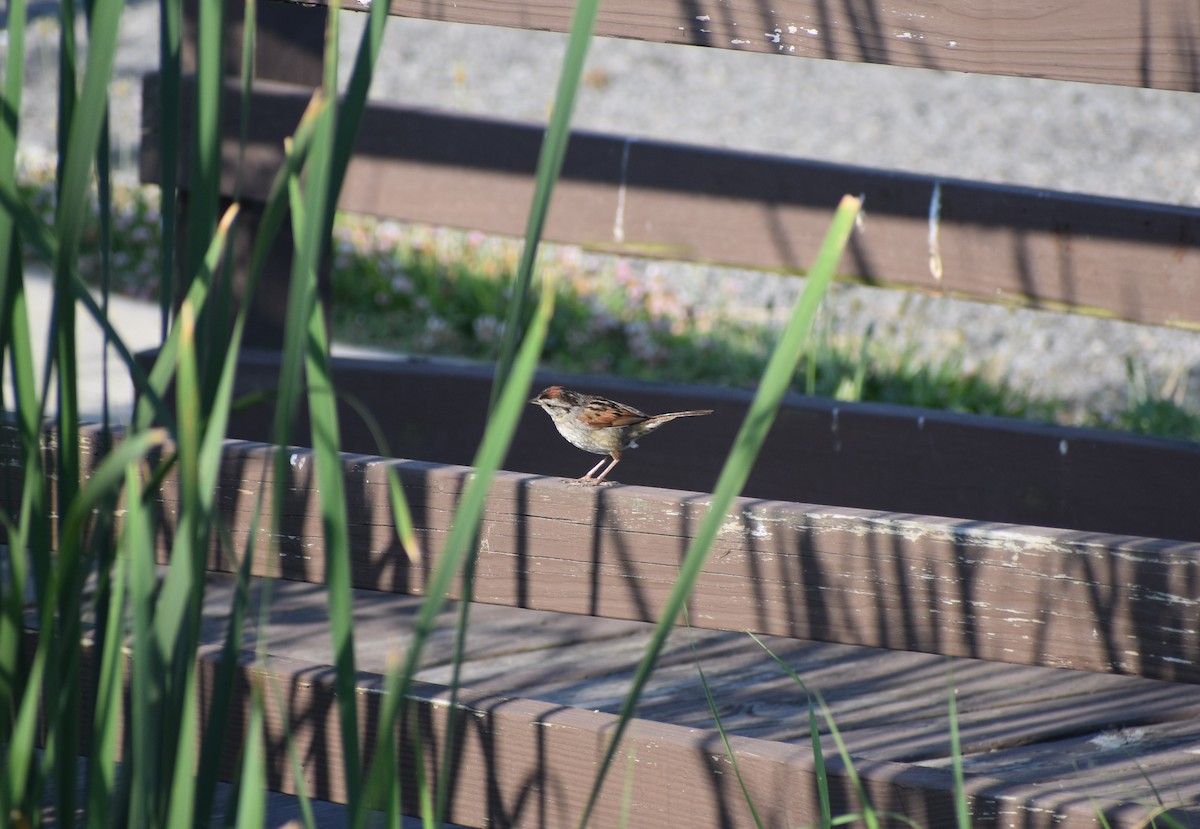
column 424, row 290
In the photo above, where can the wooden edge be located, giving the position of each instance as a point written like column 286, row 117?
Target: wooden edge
column 520, row 761
column 980, row 589
column 959, row 588
column 864, row 577
column 1105, row 41
column 889, row 458
column 1131, row 260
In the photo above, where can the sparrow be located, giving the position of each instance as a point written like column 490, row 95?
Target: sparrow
column 599, row 425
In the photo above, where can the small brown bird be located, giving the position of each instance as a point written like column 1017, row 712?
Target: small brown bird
column 599, row 425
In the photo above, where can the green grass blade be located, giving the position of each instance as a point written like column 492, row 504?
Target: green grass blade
column 354, row 102
column 304, row 347
column 962, row 811
column 436, row 817
column 32, row 535
column 148, row 673
column 550, row 160
column 105, row 212
column 10, row 107
column 716, row 715
column 16, row 340
column 68, row 84
column 85, row 127
column 335, row 522
column 170, row 39
column 497, row 436
column 401, row 512
column 820, row 772
column 252, row 796
column 183, row 589
column 220, row 702
column 22, row 745
column 211, row 453
column 868, row 815
column 81, row 123
column 307, row 818
column 205, row 163
column 164, row 364
column 774, row 384
column 249, row 34
column 102, row 777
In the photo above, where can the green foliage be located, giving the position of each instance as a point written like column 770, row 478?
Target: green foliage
column 430, row 291
column 436, row 291
column 1151, row 412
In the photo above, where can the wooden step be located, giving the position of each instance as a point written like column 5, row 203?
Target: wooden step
column 1042, row 747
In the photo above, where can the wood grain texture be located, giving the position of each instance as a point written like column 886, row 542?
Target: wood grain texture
column 889, row 458
column 1131, row 260
column 1042, row 747
column 526, row 753
column 1150, row 44
column 908, row 582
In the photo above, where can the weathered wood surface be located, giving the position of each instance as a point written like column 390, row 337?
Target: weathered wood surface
column 1042, row 747
column 888, row 458
column 961, row 588
column 1100, row 41
column 1132, row 260
column 958, row 587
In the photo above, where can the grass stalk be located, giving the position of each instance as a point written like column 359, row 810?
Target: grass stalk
column 497, row 436
column 774, row 384
column 550, row 161
column 170, row 38
column 962, row 810
column 716, row 715
column 15, row 336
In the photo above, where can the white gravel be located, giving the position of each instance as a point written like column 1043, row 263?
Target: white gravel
column 1111, row 141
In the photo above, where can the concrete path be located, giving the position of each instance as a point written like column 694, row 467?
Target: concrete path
column 137, row 322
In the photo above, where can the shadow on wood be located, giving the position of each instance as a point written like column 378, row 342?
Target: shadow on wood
column 871, row 456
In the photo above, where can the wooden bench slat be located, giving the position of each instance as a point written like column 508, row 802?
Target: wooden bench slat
column 958, row 587
column 1137, row 261
column 886, row 458
column 1101, row 41
column 961, row 588
column 889, row 706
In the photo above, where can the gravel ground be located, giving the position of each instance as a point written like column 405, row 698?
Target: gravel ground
column 1110, row 141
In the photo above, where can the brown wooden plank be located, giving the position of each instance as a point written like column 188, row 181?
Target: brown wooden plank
column 939, row 585
column 289, row 41
column 1132, row 260
column 890, row 708
column 1101, row 41
column 878, row 457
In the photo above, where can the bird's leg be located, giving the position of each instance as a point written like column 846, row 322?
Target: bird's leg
column 616, row 458
column 599, row 481
column 592, row 471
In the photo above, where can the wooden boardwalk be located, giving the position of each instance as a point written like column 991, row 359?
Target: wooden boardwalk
column 1036, row 741
column 1074, row 656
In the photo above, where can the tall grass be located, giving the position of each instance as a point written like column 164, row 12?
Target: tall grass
column 79, row 563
